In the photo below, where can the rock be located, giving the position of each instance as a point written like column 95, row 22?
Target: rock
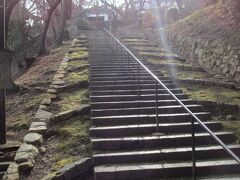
column 51, row 91
column 59, row 82
column 38, row 127
column 43, row 107
column 42, row 150
column 83, row 109
column 43, row 115
column 26, row 153
column 46, row 101
column 12, row 172
column 230, row 118
column 80, row 167
column 25, row 167
column 33, row 138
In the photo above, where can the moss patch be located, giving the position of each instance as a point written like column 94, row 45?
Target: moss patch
column 183, row 74
column 217, row 94
column 73, row 142
column 144, row 49
column 233, row 126
column 77, row 63
column 130, row 40
column 77, row 55
column 72, row 99
column 74, row 77
column 164, row 61
column 158, row 54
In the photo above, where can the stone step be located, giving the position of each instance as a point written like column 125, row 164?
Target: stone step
column 10, row 146
column 125, row 82
column 147, row 119
column 125, row 78
column 109, row 98
column 2, row 158
column 141, row 103
column 156, row 155
column 2, row 174
column 148, row 129
column 163, row 170
column 120, row 74
column 133, row 92
column 144, row 110
column 145, row 142
column 130, row 87
column 4, row 165
column 99, row 64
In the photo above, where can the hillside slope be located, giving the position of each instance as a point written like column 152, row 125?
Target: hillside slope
column 217, row 21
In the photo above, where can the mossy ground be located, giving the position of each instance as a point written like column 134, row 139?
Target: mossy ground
column 164, row 61
column 77, row 63
column 77, row 55
column 153, row 49
column 77, row 76
column 72, row 99
column 73, row 142
column 184, row 74
column 157, row 54
column 211, row 93
column 134, row 40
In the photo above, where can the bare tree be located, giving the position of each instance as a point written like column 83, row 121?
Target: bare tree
column 66, row 14
column 52, row 7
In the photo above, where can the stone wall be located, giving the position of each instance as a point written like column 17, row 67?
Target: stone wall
column 213, row 56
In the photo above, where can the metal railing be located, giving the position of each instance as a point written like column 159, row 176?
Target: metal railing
column 116, row 42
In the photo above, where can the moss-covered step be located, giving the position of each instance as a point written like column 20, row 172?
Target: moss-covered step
column 212, row 93
column 173, row 65
column 134, row 40
column 72, row 99
column 141, row 44
column 149, row 49
column 72, row 142
column 77, row 55
column 161, row 55
column 196, row 77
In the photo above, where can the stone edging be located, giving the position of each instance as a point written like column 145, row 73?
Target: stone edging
column 26, row 155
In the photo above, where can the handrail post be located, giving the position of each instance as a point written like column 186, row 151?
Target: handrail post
column 121, row 54
column 157, row 107
column 128, row 63
column 138, row 71
column 194, row 175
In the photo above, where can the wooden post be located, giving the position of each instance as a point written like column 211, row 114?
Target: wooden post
column 3, row 133
column 3, row 136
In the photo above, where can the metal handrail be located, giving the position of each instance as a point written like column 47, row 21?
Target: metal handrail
column 194, row 117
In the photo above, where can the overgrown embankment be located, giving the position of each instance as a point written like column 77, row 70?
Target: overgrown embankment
column 210, row 38
column 22, row 105
column 67, row 139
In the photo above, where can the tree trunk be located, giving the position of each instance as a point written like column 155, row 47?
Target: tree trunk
column 42, row 49
column 67, row 8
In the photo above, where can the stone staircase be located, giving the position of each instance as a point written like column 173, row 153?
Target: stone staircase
column 123, row 127
column 7, row 153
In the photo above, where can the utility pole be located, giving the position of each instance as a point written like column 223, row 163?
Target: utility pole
column 3, row 137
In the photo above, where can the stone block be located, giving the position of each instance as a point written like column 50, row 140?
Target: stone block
column 26, row 153
column 33, row 138
column 38, row 127
column 12, row 172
